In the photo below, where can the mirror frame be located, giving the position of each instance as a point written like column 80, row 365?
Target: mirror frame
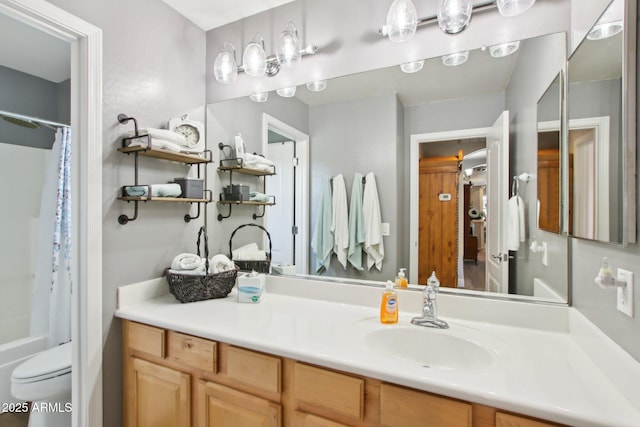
column 628, row 130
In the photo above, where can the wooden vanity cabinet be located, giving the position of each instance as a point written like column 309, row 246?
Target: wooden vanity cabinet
column 174, row 379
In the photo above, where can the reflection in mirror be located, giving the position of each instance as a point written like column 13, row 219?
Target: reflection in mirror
column 367, row 123
column 598, row 166
column 549, row 110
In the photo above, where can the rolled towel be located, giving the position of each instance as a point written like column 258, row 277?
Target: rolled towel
column 249, row 252
column 157, row 190
column 254, row 196
column 200, row 271
column 255, row 159
column 220, row 263
column 187, row 261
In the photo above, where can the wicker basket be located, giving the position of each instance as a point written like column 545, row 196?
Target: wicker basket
column 190, row 288
column 251, row 265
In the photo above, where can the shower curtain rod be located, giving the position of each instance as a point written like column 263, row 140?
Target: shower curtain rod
column 33, row 119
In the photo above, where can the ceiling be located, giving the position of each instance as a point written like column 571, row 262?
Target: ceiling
column 208, row 14
column 32, row 51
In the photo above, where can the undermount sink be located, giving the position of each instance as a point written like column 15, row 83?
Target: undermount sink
column 458, row 348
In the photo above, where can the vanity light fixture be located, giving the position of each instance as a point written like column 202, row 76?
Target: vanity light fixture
column 412, row 67
column 605, row 30
column 317, row 86
column 254, row 59
column 453, row 16
column 504, row 49
column 259, row 96
column 225, row 68
column 256, row 62
column 286, row 92
column 455, row 59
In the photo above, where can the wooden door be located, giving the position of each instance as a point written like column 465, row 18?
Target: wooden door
column 157, row 396
column 438, row 220
column 221, row 406
column 549, row 190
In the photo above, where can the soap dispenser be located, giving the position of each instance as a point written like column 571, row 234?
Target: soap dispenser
column 401, row 279
column 389, row 305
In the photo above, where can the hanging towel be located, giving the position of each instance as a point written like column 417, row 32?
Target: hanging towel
column 373, row 244
column 322, row 241
column 340, row 220
column 356, row 224
column 515, row 223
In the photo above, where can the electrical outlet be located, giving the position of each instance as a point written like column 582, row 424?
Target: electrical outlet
column 625, row 294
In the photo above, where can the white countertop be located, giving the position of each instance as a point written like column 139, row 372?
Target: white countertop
column 544, row 367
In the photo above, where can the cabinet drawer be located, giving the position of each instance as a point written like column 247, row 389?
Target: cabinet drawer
column 509, row 420
column 403, row 407
column 339, row 393
column 194, row 352
column 303, row 419
column 248, row 367
column 146, row 339
column 219, row 405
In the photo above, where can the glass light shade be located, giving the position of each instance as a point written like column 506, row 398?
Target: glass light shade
column 402, row 21
column 504, row 49
column 605, row 30
column 454, row 59
column 254, row 60
column 412, row 67
column 287, row 92
column 318, row 86
column 225, row 69
column 288, row 51
column 454, row 15
column 259, row 96
column 514, row 7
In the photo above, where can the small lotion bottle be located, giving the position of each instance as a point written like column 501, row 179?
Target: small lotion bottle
column 389, row 305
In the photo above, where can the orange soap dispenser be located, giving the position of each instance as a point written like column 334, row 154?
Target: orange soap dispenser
column 389, row 305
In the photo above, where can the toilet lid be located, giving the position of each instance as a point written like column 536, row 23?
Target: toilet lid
column 48, row 364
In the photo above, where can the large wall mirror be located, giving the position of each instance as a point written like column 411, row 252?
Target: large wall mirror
column 394, row 125
column 601, row 130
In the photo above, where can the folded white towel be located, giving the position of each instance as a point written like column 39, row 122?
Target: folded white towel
column 187, row 261
column 161, row 134
column 249, row 252
column 254, row 159
column 200, row 271
column 516, row 231
column 340, row 220
column 220, row 263
column 156, row 143
column 157, row 190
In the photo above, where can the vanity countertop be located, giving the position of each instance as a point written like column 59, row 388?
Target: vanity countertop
column 547, row 372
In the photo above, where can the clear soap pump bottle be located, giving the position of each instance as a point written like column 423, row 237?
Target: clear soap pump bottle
column 389, row 305
column 401, row 279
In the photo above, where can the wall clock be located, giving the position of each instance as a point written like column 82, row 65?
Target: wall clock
column 193, row 132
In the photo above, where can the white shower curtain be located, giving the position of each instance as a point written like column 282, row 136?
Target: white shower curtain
column 51, row 303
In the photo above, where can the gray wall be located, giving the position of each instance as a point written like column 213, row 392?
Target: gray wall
column 224, row 121
column 360, row 136
column 545, row 55
column 154, row 69
column 22, row 93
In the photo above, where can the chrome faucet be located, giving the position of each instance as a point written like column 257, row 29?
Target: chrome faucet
column 429, row 307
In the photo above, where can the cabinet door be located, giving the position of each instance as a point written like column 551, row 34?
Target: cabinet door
column 157, row 396
column 220, row 406
column 510, row 420
column 303, row 419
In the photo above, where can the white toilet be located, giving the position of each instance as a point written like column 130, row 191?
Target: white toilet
column 45, row 380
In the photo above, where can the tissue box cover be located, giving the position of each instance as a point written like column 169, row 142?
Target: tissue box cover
column 283, row 269
column 250, row 288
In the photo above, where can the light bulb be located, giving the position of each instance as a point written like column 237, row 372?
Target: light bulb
column 225, row 69
column 606, row 30
column 402, row 21
column 514, row 7
column 317, row 86
column 454, row 15
column 254, row 59
column 504, row 49
column 412, row 67
column 454, row 59
column 287, row 92
column 259, row 96
column 288, row 51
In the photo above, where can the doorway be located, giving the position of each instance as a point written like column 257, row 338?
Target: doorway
column 288, row 220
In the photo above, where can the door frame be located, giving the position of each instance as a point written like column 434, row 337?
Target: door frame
column 86, row 126
column 302, row 190
column 414, row 176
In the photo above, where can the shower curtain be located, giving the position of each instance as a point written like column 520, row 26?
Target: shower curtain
column 51, row 303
